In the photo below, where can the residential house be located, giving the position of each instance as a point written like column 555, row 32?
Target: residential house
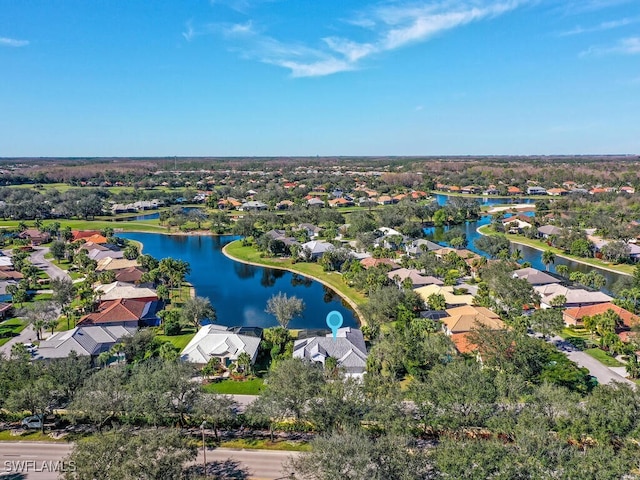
column 127, row 312
column 348, row 348
column 546, row 231
column 129, row 275
column 557, row 192
column 575, row 316
column 312, row 230
column 315, row 202
column 416, row 247
column 253, row 206
column 340, row 202
column 575, row 297
column 110, row 263
column 117, row 290
column 35, row 236
column 385, row 200
column 417, row 279
column 284, row 205
column 536, row 191
column 82, row 234
column 466, row 318
column 229, row 203
column 316, row 248
column 451, row 299
column 5, row 310
column 534, row 276
column 85, row 341
column 224, row 343
column 516, row 223
column 514, row 191
column 627, row 189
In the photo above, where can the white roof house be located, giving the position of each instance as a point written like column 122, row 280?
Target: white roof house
column 317, row 248
column 85, row 341
column 348, row 348
column 221, row 342
column 116, row 290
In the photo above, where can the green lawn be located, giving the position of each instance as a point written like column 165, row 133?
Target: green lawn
column 235, row 387
column 138, row 226
column 335, row 280
column 178, row 341
column 267, row 445
column 30, row 436
column 603, row 357
column 11, row 328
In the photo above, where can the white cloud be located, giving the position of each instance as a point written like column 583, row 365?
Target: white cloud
column 625, row 46
column 391, row 26
column 189, row 32
column 12, row 42
column 601, row 27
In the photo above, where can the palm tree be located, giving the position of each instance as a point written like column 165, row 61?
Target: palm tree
column 244, row 363
column 548, row 257
column 562, row 270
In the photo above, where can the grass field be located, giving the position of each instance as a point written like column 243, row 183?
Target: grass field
column 28, row 436
column 602, row 357
column 140, row 226
column 233, row 387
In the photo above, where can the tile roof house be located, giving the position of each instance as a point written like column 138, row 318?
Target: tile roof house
column 534, row 276
column 348, row 348
column 370, row 262
column 575, row 297
column 116, row 290
column 574, row 316
column 109, row 263
column 468, row 317
column 85, row 341
column 417, row 279
column 35, row 236
column 80, row 234
column 126, row 312
column 221, row 342
column 450, row 298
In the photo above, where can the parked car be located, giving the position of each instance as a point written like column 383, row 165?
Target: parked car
column 34, row 421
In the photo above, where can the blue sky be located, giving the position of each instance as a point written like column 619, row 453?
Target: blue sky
column 319, row 77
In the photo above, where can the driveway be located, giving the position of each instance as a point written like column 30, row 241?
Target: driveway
column 28, row 335
column 603, row 373
column 37, row 258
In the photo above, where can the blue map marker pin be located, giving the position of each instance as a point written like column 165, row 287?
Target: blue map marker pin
column 334, row 322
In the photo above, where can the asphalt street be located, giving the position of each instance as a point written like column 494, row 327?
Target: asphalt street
column 43, row 461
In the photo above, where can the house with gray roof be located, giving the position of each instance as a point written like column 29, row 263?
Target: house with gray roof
column 418, row 246
column 316, row 248
column 85, row 341
column 253, row 206
column 222, row 342
column 575, row 297
column 348, row 348
column 545, row 231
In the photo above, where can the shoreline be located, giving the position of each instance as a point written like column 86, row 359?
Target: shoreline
column 351, row 303
column 540, row 249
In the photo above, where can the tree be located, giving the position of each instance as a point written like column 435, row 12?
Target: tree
column 355, row 456
column 244, row 363
column 492, row 244
column 39, row 397
column 131, row 455
column 58, row 250
column 64, row 292
column 562, row 270
column 39, row 315
column 197, row 309
column 131, row 252
column 436, row 301
column 216, row 410
column 616, row 251
column 547, row 321
column 284, row 308
column 548, row 257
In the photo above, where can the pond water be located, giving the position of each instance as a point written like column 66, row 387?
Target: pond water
column 239, row 292
column 529, row 254
column 485, row 200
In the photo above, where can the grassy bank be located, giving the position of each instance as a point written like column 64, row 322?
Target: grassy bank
column 11, row 328
column 249, row 254
column 258, row 444
column 603, row 357
column 622, row 269
column 140, row 226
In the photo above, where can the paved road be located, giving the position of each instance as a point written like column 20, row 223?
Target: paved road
column 32, row 460
column 37, row 258
column 603, row 373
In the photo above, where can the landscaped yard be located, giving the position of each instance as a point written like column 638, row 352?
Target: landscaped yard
column 603, row 357
column 267, row 445
column 236, row 387
column 178, row 341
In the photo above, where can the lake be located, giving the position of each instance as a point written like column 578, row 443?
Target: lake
column 239, row 292
column 529, row 254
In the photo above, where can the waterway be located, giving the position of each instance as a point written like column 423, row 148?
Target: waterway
column 239, row 292
column 531, row 255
